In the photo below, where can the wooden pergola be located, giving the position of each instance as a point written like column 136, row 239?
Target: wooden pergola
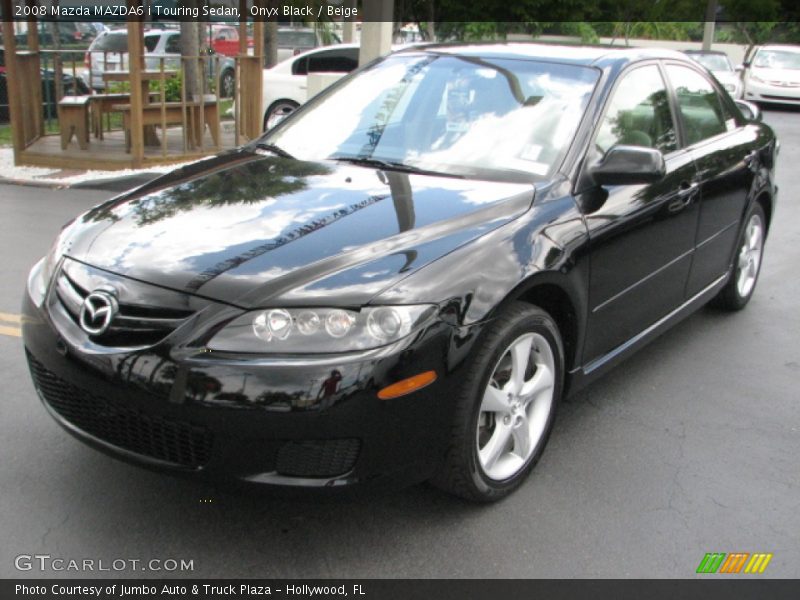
column 33, row 147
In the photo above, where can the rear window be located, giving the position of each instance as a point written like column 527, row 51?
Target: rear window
column 150, row 42
column 111, row 42
column 296, row 39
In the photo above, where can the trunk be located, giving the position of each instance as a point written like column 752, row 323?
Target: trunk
column 190, row 50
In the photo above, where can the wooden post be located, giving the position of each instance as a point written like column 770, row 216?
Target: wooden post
column 33, row 46
column 14, row 100
column 254, row 88
column 135, row 64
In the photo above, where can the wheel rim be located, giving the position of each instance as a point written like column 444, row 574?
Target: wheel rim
column 227, row 85
column 278, row 114
column 516, row 407
column 749, row 256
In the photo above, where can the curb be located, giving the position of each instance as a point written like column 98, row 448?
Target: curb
column 113, row 184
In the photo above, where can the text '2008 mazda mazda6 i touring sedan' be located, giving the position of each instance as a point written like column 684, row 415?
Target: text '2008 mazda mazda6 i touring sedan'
column 401, row 280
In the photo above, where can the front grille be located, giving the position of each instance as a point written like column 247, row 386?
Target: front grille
column 318, row 458
column 781, row 98
column 176, row 442
column 133, row 326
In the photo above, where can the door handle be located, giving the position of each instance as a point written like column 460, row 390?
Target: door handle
column 684, row 196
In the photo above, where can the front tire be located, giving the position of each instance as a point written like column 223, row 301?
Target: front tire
column 746, row 264
column 506, row 406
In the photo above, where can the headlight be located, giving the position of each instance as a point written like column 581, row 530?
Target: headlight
column 320, row 330
column 42, row 272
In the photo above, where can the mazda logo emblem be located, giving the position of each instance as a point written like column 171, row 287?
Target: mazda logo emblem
column 98, row 310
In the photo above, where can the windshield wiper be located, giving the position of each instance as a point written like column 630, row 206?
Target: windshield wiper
column 277, row 150
column 389, row 165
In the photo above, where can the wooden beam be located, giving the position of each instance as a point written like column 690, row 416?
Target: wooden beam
column 135, row 64
column 33, row 46
column 14, row 104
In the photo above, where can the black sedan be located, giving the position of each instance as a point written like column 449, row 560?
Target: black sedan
column 402, row 280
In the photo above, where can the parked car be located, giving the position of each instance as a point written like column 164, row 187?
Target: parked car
column 285, row 86
column 294, row 40
column 224, row 39
column 402, row 279
column 773, row 75
column 720, row 66
column 69, row 33
column 109, row 52
column 70, row 86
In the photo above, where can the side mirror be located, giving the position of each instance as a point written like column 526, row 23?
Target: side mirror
column 629, row 165
column 750, row 111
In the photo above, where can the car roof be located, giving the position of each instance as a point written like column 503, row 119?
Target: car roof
column 717, row 52
column 789, row 47
column 575, row 54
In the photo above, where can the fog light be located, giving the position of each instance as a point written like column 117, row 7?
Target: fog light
column 406, row 386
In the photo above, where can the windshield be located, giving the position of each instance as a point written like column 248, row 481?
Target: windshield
column 713, row 62
column 458, row 115
column 777, row 59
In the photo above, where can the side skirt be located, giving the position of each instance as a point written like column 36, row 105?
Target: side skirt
column 580, row 377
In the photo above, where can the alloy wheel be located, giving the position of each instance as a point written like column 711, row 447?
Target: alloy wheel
column 516, row 406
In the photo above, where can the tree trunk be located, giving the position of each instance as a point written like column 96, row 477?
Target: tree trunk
column 190, row 50
column 271, row 38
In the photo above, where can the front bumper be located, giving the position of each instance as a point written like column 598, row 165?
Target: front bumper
column 764, row 92
column 259, row 421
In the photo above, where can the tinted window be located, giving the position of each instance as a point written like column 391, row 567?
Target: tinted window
column 639, row 114
column 112, row 42
column 332, row 61
column 698, row 103
column 173, row 44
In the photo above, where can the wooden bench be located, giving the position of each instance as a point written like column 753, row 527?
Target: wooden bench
column 198, row 115
column 73, row 118
column 104, row 103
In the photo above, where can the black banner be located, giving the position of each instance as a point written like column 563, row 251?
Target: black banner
column 450, row 11
column 403, row 589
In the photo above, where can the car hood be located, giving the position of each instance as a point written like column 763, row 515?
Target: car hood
column 250, row 229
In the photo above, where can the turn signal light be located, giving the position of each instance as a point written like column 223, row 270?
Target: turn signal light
column 406, row 386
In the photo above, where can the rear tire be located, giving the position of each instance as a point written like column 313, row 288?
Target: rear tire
column 746, row 263
column 506, row 406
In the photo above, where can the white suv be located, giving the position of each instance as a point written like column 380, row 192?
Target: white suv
column 109, row 52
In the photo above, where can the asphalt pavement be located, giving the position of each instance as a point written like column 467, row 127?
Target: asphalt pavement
column 689, row 447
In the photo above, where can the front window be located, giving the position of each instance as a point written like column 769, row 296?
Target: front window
column 460, row 115
column 713, row 62
column 777, row 59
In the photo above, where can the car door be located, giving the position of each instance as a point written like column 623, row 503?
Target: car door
column 641, row 237
column 724, row 151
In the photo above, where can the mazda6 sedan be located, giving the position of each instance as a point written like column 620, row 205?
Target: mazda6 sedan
column 402, row 280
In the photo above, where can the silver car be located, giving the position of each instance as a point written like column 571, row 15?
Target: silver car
column 109, row 52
